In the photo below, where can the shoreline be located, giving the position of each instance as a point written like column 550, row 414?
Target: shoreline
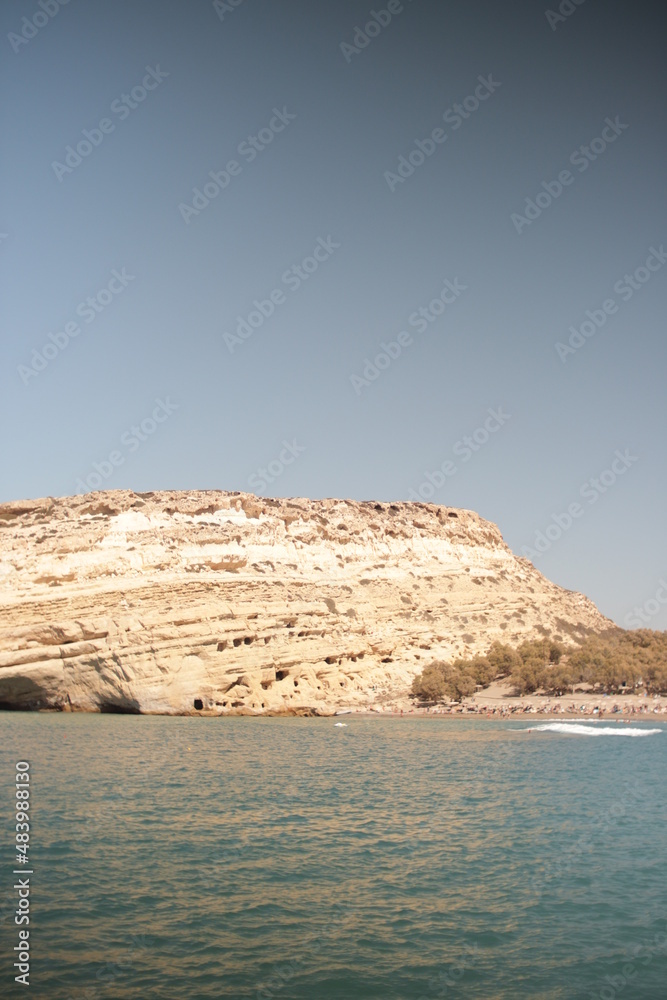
column 619, row 716
column 496, row 702
column 624, row 708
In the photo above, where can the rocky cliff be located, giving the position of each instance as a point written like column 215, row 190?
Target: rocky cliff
column 213, row 602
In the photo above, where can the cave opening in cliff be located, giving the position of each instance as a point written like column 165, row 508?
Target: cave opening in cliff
column 115, row 708
column 199, row 704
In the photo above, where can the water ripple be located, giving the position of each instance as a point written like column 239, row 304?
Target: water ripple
column 285, row 858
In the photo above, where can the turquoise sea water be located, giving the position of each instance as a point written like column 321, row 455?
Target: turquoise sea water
column 290, row 858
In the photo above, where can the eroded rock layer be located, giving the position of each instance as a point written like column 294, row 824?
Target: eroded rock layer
column 213, row 602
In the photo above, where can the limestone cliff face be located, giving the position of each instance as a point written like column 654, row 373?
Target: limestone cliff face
column 213, row 602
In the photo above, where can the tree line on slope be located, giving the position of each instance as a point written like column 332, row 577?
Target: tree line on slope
column 620, row 661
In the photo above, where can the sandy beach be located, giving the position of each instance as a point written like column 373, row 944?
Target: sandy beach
column 497, row 702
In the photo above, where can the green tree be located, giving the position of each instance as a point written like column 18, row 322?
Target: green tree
column 431, row 684
column 439, row 681
column 503, row 659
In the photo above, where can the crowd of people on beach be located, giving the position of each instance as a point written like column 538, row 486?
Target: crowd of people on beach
column 558, row 709
column 516, row 708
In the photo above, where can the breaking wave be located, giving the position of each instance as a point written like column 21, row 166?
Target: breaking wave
column 579, row 729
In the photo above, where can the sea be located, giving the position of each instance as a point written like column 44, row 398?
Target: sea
column 334, row 858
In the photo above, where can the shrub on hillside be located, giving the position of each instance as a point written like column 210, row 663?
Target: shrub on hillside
column 503, row 659
column 431, row 684
column 443, row 681
column 613, row 662
column 537, row 659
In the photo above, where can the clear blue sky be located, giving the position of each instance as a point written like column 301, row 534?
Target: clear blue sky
column 141, row 289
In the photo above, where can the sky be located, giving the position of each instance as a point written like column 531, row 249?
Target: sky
column 410, row 250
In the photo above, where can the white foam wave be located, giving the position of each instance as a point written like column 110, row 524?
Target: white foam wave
column 577, row 728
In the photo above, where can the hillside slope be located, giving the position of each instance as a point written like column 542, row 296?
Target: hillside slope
column 184, row 602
